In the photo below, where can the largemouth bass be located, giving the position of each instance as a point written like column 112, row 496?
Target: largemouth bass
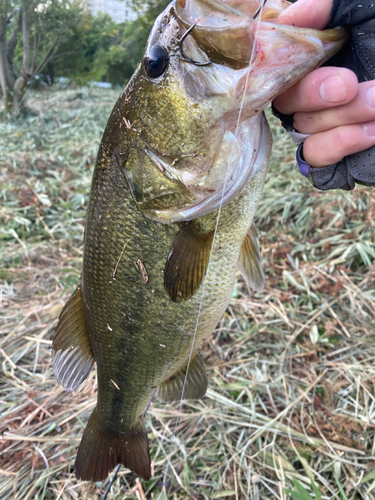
column 186, row 138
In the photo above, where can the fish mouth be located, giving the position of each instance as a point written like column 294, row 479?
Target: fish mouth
column 261, row 57
column 228, row 30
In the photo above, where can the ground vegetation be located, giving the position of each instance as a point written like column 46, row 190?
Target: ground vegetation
column 290, row 405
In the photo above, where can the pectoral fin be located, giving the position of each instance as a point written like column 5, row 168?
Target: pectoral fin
column 71, row 352
column 250, row 262
column 195, row 380
column 187, row 262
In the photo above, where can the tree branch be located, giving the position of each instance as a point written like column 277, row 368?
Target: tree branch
column 12, row 42
column 4, row 66
column 26, row 40
column 47, row 57
column 36, row 45
column 56, row 56
column 50, row 53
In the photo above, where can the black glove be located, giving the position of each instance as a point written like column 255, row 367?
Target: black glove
column 358, row 54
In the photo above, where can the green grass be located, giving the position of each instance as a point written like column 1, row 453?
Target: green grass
column 291, row 370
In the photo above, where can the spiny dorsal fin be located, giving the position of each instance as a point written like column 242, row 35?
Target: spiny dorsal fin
column 195, row 386
column 250, row 262
column 71, row 352
column 100, row 451
column 187, row 262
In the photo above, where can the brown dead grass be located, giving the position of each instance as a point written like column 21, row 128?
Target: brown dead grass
column 291, row 370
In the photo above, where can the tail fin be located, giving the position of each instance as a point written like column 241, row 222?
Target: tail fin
column 100, row 451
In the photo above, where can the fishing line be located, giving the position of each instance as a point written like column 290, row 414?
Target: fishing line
column 113, row 479
column 259, row 11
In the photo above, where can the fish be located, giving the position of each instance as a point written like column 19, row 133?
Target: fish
column 178, row 177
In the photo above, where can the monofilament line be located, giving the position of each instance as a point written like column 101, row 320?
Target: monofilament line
column 211, row 251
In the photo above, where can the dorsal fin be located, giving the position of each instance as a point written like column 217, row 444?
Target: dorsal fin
column 71, row 352
column 250, row 262
column 195, row 385
column 187, row 262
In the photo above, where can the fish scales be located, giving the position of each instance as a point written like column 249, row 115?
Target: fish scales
column 135, row 310
column 186, row 138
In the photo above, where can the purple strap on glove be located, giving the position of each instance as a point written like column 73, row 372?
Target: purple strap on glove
column 304, row 168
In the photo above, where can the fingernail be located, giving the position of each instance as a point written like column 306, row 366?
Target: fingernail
column 333, row 89
column 369, row 128
column 370, row 97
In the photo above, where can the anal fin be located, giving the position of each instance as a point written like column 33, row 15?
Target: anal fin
column 195, row 385
column 250, row 262
column 71, row 352
column 187, row 262
column 100, row 451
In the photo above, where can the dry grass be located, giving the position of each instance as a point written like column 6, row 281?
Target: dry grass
column 291, row 370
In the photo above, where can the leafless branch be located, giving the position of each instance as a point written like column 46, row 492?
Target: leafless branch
column 36, row 44
column 46, row 58
column 62, row 54
column 50, row 52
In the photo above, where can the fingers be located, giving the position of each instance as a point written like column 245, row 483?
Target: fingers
column 325, row 148
column 338, row 128
column 307, row 14
column 328, row 103
column 324, row 87
column 361, row 109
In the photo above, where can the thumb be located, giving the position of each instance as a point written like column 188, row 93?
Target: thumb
column 307, row 14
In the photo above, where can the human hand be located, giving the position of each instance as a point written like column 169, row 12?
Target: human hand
column 329, row 103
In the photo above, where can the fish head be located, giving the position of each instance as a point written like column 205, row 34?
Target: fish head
column 209, row 68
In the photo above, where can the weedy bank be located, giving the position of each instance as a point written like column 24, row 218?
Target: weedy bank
column 291, row 370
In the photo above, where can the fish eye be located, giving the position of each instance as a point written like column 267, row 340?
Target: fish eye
column 156, row 61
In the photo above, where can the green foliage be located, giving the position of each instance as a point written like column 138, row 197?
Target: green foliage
column 122, row 59
column 52, row 23
column 65, row 40
column 98, row 54
column 69, row 279
column 300, row 493
column 341, row 489
column 104, row 50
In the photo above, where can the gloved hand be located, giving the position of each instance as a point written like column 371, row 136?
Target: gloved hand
column 329, row 103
